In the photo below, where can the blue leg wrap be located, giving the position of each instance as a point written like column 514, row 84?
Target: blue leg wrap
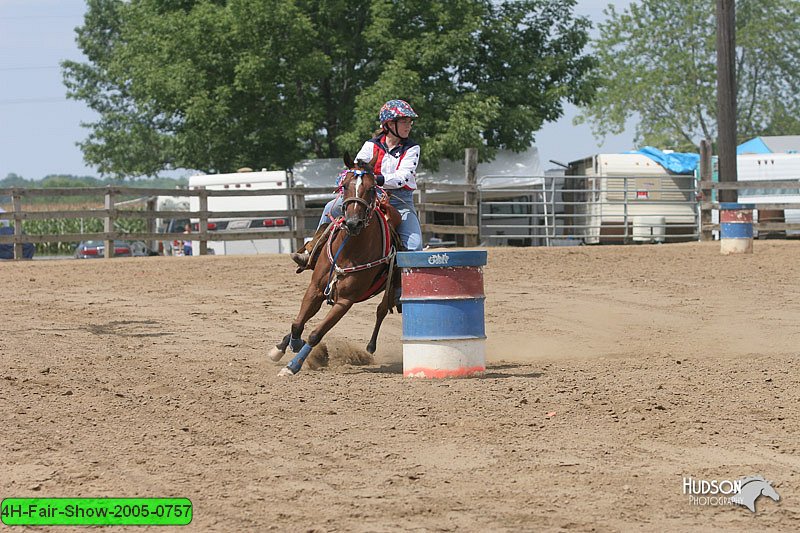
column 297, row 363
column 296, row 344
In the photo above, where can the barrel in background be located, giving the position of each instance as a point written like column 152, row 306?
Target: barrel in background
column 736, row 228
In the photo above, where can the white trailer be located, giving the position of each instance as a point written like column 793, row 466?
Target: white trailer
column 615, row 197
column 263, row 180
column 771, row 167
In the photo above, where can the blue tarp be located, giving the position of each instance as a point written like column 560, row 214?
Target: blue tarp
column 753, row 146
column 675, row 162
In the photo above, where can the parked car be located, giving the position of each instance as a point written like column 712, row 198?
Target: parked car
column 7, row 250
column 95, row 249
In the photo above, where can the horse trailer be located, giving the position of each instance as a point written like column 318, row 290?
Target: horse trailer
column 247, row 180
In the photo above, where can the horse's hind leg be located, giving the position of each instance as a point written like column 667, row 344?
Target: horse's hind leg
column 339, row 309
column 383, row 309
column 312, row 301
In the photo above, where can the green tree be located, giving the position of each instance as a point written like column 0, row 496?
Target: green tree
column 657, row 62
column 216, row 85
column 14, row 180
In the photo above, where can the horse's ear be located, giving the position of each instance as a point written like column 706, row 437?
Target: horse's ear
column 348, row 161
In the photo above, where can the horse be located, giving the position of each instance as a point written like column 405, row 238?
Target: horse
column 752, row 488
column 356, row 263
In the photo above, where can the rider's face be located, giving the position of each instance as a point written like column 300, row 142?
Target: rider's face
column 404, row 126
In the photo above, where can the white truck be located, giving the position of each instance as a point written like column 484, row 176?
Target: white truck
column 243, row 180
column 171, row 224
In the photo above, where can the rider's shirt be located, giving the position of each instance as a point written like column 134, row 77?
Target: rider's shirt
column 398, row 165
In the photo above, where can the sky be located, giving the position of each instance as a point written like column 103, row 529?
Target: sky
column 39, row 126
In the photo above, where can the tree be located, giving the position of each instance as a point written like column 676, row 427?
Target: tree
column 216, row 85
column 657, row 61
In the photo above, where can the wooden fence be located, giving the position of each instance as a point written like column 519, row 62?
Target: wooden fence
column 113, row 211
column 776, row 210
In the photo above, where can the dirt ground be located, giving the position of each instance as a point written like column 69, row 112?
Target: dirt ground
column 613, row 373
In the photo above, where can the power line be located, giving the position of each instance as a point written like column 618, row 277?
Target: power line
column 48, row 100
column 4, row 69
column 27, row 17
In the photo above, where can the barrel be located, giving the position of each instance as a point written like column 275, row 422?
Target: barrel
column 736, row 228
column 443, row 316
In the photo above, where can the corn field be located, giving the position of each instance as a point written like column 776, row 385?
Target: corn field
column 57, row 226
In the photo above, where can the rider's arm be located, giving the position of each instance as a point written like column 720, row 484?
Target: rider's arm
column 406, row 172
column 366, row 154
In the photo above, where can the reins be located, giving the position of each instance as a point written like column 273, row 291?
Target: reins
column 337, row 271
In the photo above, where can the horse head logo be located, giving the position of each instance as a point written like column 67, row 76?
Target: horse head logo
column 752, row 488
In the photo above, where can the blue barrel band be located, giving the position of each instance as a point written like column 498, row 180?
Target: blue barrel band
column 736, row 230
column 443, row 319
column 734, row 206
column 442, row 259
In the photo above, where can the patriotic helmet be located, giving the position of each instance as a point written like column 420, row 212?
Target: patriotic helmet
column 394, row 109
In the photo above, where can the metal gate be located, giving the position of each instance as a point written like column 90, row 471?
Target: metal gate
column 573, row 210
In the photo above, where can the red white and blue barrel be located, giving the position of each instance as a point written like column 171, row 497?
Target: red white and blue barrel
column 443, row 319
column 736, row 228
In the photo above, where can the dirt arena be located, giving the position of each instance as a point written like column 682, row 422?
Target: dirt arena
column 613, row 373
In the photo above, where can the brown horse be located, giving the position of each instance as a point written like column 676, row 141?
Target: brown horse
column 356, row 263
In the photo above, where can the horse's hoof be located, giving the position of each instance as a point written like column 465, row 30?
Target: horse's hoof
column 285, row 372
column 371, row 349
column 276, row 354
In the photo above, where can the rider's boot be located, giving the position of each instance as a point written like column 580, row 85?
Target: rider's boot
column 303, row 256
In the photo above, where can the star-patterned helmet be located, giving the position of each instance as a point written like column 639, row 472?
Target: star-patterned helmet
column 394, row 109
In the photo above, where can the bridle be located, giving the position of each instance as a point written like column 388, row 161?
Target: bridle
column 369, row 207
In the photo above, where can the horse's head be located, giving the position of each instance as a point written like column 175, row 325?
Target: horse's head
column 752, row 488
column 769, row 491
column 358, row 193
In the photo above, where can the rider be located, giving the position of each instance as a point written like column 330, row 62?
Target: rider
column 397, row 159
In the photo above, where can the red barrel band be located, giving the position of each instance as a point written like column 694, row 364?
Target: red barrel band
column 736, row 215
column 443, row 283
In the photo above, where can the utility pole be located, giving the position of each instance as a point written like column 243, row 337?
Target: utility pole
column 726, row 96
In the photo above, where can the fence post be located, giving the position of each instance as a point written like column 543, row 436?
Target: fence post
column 108, row 225
column 422, row 211
column 299, row 221
column 150, row 221
column 16, row 202
column 471, row 196
column 706, row 175
column 202, row 225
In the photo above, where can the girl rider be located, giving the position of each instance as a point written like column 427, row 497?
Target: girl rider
column 397, row 161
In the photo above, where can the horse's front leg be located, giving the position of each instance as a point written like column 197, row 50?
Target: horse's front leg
column 312, row 301
column 339, row 309
column 383, row 308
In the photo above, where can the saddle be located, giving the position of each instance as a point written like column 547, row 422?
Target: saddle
column 314, row 246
